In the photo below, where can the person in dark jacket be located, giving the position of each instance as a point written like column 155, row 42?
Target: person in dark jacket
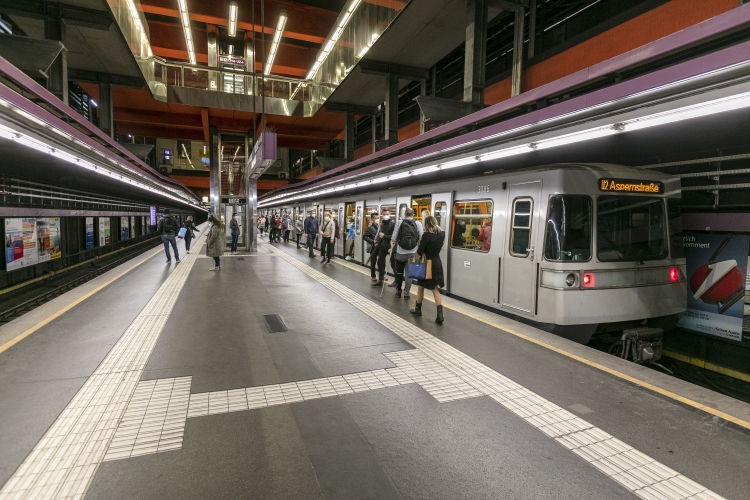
column 234, row 227
column 272, row 224
column 168, row 228
column 371, row 233
column 383, row 244
column 429, row 246
column 190, row 232
column 215, row 242
column 311, row 231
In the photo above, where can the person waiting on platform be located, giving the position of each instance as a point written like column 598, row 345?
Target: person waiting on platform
column 261, row 225
column 234, row 227
column 350, row 240
column 215, row 242
column 266, row 222
column 299, row 228
column 311, row 231
column 190, row 232
column 286, row 223
column 371, row 233
column 405, row 239
column 383, row 244
column 429, row 246
column 327, row 238
column 168, row 228
column 272, row 224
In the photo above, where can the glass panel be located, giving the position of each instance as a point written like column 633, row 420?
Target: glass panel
column 521, row 231
column 281, row 89
column 630, row 228
column 368, row 215
column 357, row 221
column 568, row 234
column 402, row 211
column 196, row 78
column 232, row 158
column 472, row 225
column 421, row 206
column 674, row 208
column 390, row 208
column 441, row 213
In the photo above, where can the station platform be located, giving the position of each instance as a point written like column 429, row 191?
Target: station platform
column 281, row 377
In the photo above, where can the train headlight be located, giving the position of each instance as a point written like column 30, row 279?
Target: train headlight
column 570, row 279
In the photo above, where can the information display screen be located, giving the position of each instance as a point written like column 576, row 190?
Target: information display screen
column 631, row 186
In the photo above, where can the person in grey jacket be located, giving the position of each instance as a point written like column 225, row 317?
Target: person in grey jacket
column 299, row 228
column 328, row 237
column 215, row 242
column 234, row 227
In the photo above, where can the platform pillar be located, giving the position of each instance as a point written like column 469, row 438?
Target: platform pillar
column 391, row 109
column 215, row 173
column 106, row 121
column 475, row 60
column 349, row 136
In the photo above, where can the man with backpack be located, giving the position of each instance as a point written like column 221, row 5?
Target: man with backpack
column 382, row 245
column 168, row 228
column 406, row 236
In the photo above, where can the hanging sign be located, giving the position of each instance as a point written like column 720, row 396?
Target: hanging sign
column 237, row 61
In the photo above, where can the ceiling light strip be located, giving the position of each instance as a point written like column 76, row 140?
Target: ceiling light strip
column 712, row 107
column 275, row 44
column 343, row 20
column 185, row 19
column 233, row 12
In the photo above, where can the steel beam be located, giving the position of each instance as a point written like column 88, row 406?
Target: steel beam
column 391, row 109
column 517, row 52
column 54, row 29
column 532, row 29
column 82, row 75
column 349, row 137
column 475, row 60
column 340, row 107
column 370, row 67
column 30, row 55
column 106, row 120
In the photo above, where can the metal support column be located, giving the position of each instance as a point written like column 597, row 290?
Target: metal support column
column 374, row 132
column 54, row 29
column 213, row 56
column 215, row 173
column 252, row 215
column 517, row 52
column 250, row 61
column 106, row 122
column 532, row 29
column 422, row 92
column 349, row 136
column 475, row 61
column 391, row 109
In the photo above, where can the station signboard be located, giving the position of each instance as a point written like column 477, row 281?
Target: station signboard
column 89, row 233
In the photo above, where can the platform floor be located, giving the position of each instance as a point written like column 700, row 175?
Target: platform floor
column 167, row 382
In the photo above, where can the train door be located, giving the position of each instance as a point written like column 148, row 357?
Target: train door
column 367, row 220
column 342, row 217
column 519, row 265
column 401, row 205
column 441, row 203
column 359, row 228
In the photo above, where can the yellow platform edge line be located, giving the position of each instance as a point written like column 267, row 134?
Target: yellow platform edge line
column 636, row 381
column 70, row 306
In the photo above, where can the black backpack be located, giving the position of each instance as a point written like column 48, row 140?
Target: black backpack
column 408, row 234
column 169, row 225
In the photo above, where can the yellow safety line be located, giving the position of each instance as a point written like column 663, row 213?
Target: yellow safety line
column 700, row 363
column 70, row 306
column 641, row 383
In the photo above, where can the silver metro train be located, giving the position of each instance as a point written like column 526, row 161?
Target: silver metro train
column 576, row 249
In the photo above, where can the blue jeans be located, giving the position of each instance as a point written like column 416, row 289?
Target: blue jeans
column 187, row 242
column 310, row 241
column 235, row 237
column 169, row 239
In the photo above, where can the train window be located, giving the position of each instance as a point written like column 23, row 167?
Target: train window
column 402, row 211
column 421, row 206
column 368, row 215
column 358, row 220
column 674, row 210
column 568, row 235
column 521, row 228
column 441, row 214
column 472, row 225
column 630, row 228
column 390, row 208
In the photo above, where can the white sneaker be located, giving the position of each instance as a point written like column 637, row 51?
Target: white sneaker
column 188, row 251
column 214, row 269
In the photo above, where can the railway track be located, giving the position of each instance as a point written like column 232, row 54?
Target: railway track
column 38, row 295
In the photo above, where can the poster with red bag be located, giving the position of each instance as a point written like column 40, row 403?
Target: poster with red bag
column 717, row 276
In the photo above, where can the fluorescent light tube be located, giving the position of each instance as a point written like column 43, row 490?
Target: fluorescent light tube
column 233, row 11
column 425, row 170
column 576, row 137
column 276, row 39
column 399, row 176
column 459, row 162
column 731, row 103
column 504, row 153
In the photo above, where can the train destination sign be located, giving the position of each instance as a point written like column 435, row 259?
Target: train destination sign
column 631, row 186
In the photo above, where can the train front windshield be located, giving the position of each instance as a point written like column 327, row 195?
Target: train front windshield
column 631, row 228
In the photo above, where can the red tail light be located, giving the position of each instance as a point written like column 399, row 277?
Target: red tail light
column 674, row 274
column 588, row 280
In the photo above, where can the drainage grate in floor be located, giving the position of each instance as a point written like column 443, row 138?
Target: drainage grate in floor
column 274, row 323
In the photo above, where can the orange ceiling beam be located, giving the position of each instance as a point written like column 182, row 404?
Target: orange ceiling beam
column 222, row 21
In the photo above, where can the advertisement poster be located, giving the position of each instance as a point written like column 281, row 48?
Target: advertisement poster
column 716, row 273
column 152, row 211
column 48, row 238
column 20, row 243
column 124, row 228
column 89, row 233
column 105, row 235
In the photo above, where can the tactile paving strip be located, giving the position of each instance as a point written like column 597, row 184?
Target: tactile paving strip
column 634, row 470
column 64, row 461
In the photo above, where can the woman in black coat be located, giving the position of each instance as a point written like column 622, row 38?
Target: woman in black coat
column 429, row 246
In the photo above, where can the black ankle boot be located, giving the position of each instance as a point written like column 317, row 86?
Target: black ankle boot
column 440, row 317
column 417, row 311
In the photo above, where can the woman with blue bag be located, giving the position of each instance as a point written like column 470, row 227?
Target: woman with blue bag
column 427, row 268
